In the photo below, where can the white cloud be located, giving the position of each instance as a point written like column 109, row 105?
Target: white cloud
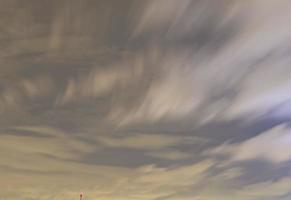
column 158, row 13
column 273, row 145
column 174, row 92
column 190, row 79
column 264, row 89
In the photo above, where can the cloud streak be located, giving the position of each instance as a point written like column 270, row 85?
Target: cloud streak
column 151, row 100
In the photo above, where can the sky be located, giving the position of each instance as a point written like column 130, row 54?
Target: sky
column 145, row 100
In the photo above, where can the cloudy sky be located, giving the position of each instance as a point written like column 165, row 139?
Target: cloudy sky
column 145, row 100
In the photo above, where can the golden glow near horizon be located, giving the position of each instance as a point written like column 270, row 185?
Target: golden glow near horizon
column 145, row 100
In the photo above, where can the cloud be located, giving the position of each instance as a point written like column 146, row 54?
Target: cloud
column 158, row 13
column 96, row 83
column 167, row 97
column 222, row 187
column 171, row 83
column 170, row 154
column 266, row 97
column 272, row 145
column 182, row 176
column 25, row 151
column 148, row 141
column 67, row 179
column 81, row 80
column 29, row 158
column 268, row 189
column 216, row 86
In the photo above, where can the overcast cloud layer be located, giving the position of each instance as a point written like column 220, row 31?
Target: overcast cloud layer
column 145, row 100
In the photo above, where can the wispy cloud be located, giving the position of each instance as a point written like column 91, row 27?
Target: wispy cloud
column 89, row 89
column 272, row 145
column 148, row 141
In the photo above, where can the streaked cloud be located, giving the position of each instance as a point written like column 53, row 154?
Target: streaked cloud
column 269, row 189
column 273, row 146
column 145, row 100
column 170, row 154
column 146, row 141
